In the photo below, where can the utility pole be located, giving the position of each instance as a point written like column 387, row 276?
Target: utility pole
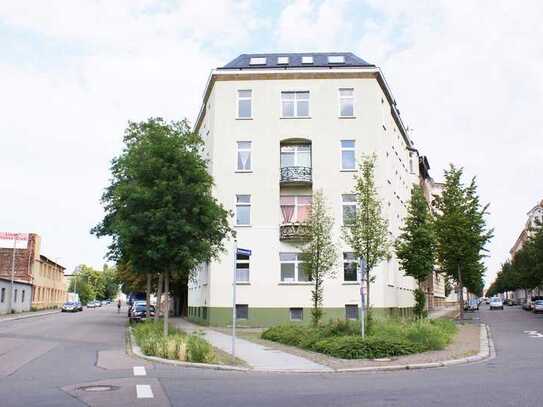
column 12, row 283
column 234, row 301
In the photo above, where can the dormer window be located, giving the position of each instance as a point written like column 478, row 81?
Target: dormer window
column 307, row 60
column 257, row 61
column 282, row 60
column 336, row 59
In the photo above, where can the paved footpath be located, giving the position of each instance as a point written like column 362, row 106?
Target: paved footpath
column 259, row 357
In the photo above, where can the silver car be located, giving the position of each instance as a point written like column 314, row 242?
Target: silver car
column 496, row 303
column 537, row 306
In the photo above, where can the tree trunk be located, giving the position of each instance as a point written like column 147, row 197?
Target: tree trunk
column 158, row 297
column 461, row 293
column 167, row 295
column 148, row 297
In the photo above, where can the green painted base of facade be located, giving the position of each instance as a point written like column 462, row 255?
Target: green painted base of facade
column 265, row 317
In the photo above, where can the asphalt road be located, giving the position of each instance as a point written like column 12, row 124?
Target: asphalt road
column 46, row 361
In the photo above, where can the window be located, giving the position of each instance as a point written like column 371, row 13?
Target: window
column 336, row 59
column 244, row 156
column 242, row 311
column 245, row 102
column 348, row 155
column 296, row 314
column 243, row 210
column 346, row 102
column 350, row 267
column 307, row 60
column 292, row 268
column 295, row 208
column 15, row 296
column 23, row 296
column 296, row 155
column 351, row 311
column 257, row 61
column 349, row 208
column 282, row 60
column 242, row 268
column 3, row 295
column 295, row 104
column 411, row 168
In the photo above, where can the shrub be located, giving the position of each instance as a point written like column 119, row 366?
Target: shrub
column 286, row 334
column 198, row 350
column 356, row 347
column 339, row 327
column 420, row 304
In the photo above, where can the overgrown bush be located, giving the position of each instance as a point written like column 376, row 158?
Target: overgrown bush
column 420, row 304
column 176, row 345
column 356, row 347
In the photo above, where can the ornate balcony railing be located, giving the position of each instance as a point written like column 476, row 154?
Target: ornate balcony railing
column 296, row 175
column 294, row 231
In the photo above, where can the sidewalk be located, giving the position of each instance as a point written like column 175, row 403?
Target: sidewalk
column 27, row 314
column 439, row 313
column 257, row 356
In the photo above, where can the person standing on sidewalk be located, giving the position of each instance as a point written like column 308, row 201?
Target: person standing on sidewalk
column 119, row 306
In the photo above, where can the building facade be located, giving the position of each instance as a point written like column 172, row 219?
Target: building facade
column 45, row 276
column 277, row 128
column 22, row 296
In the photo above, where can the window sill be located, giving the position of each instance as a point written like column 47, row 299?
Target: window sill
column 342, row 170
column 243, row 171
column 287, row 118
column 243, row 226
column 296, row 283
column 243, row 283
column 350, row 283
column 244, row 118
column 346, row 117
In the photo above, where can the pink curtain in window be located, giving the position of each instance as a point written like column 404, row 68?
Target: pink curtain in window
column 304, row 208
column 287, row 208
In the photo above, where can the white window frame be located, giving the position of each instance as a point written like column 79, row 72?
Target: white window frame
column 282, row 60
column 242, row 305
column 238, row 150
column 243, row 204
column 297, row 152
column 336, row 59
column 297, row 205
column 342, row 149
column 243, row 261
column 295, row 308
column 297, row 268
column 354, row 260
column 295, row 100
column 341, row 98
column 257, row 61
column 347, row 203
column 308, row 59
column 240, row 98
column 352, row 306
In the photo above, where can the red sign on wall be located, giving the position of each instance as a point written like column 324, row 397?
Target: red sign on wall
column 13, row 236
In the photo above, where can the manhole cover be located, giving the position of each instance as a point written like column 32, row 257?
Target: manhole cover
column 99, row 388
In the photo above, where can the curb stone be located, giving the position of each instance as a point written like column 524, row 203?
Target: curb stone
column 31, row 315
column 486, row 351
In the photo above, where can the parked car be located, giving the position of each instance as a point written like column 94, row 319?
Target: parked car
column 496, row 303
column 538, row 306
column 526, row 306
column 487, row 300
column 93, row 304
column 71, row 307
column 133, row 305
column 139, row 312
column 509, row 302
column 104, row 302
column 472, row 305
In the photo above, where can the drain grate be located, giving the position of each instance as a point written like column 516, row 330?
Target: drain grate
column 98, row 388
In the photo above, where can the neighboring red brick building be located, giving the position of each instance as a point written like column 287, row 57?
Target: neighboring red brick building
column 46, row 276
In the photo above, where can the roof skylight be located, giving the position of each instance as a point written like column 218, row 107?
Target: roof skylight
column 282, row 60
column 336, row 59
column 257, row 61
column 307, row 60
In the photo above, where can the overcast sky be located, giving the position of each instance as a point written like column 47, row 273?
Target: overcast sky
column 466, row 75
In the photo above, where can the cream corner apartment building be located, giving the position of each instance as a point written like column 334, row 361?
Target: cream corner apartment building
column 278, row 127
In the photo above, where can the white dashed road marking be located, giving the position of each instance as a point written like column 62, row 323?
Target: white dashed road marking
column 139, row 371
column 144, row 391
column 534, row 334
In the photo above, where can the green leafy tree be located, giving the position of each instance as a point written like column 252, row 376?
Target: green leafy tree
column 367, row 235
column 319, row 254
column 415, row 247
column 160, row 211
column 461, row 234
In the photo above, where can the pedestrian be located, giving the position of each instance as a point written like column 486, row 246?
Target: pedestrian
column 119, row 306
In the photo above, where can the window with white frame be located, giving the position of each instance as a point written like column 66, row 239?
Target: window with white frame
column 351, row 311
column 296, row 314
column 348, row 155
column 3, row 295
column 15, row 296
column 242, row 311
column 298, row 155
column 292, row 269
column 350, row 267
column 23, row 296
column 349, row 208
column 295, row 104
column 346, row 102
column 243, row 210
column 307, row 60
column 242, row 268
column 295, row 208
column 244, row 156
column 245, row 104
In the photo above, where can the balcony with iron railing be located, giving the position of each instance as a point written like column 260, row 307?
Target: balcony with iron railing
column 295, row 231
column 296, row 175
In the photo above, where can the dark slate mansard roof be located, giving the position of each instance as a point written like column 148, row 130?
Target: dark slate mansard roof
column 320, row 60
